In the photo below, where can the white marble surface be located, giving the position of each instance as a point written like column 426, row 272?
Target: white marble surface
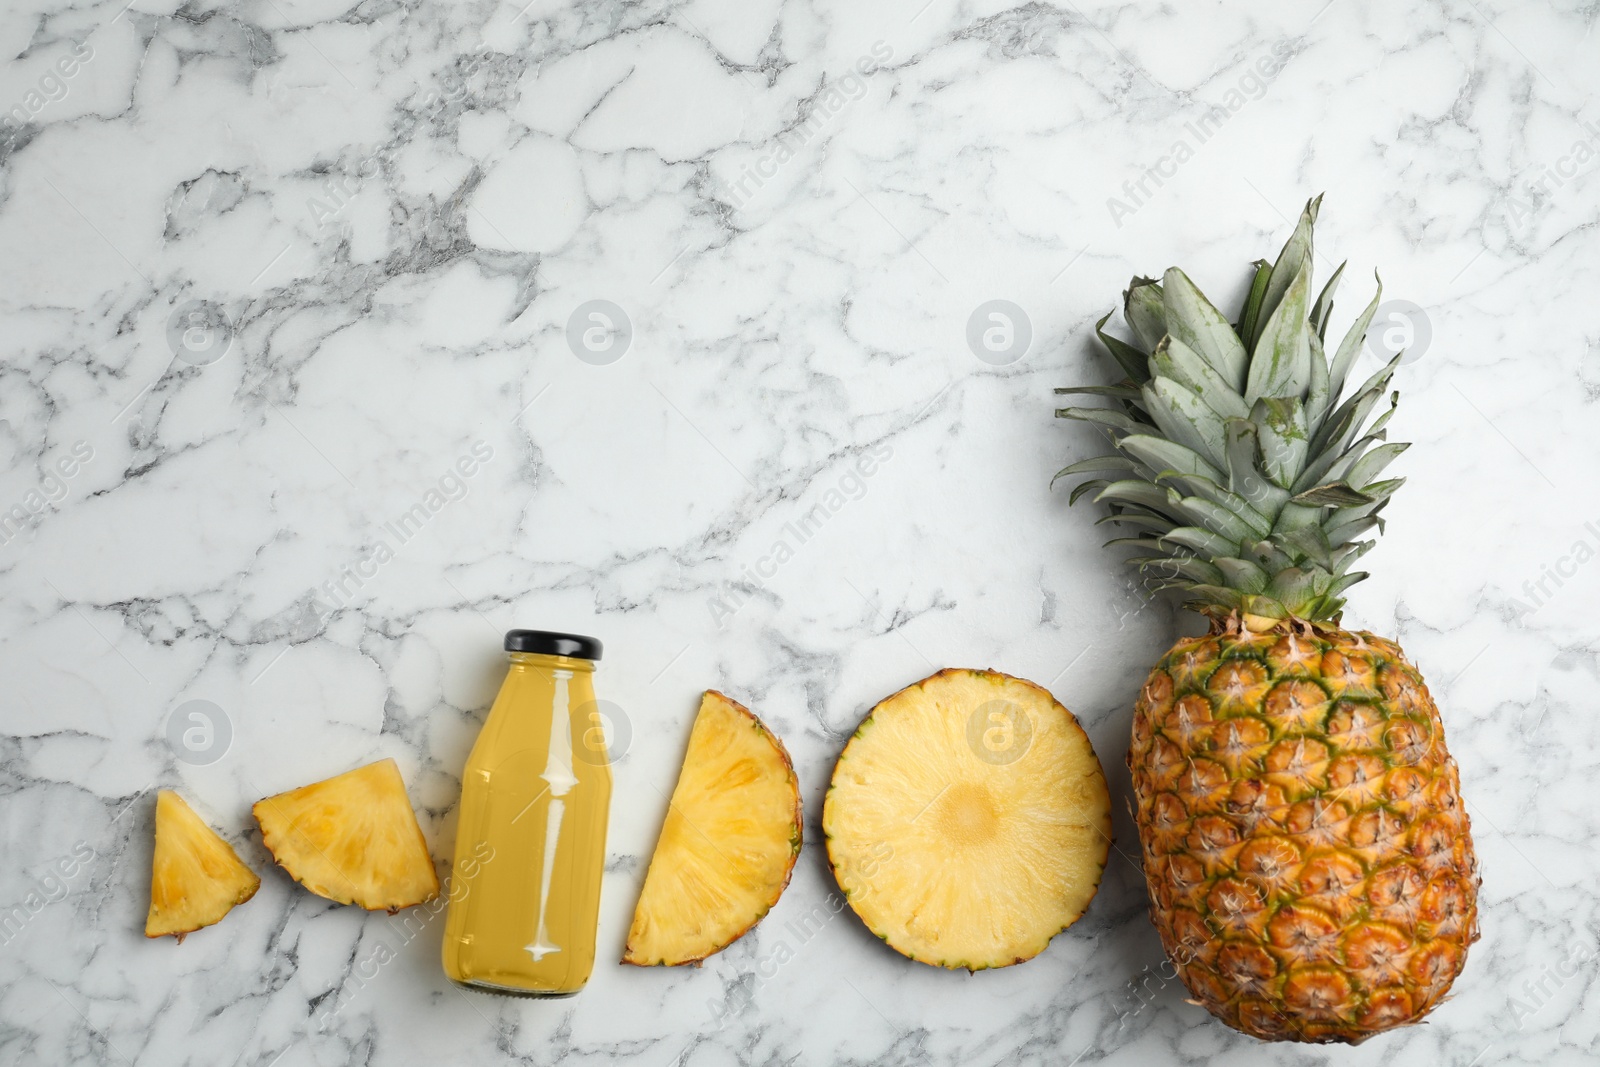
column 398, row 207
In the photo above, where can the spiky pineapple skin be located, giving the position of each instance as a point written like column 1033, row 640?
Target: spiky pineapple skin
column 1307, row 852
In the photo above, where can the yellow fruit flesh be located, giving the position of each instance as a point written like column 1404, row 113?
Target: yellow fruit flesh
column 353, row 839
column 968, row 821
column 729, row 842
column 195, row 876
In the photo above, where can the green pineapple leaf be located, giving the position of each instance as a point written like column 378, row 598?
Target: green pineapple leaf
column 1197, row 324
column 1281, row 365
column 1142, row 306
column 1242, row 575
column 1244, row 468
column 1158, row 453
column 1201, row 541
column 1175, row 360
column 1296, row 253
column 1250, row 316
column 1111, row 420
column 1350, row 347
column 1134, row 362
column 1332, row 495
column 1323, row 308
column 1369, row 466
column 1281, row 430
column 1119, row 392
column 1183, row 417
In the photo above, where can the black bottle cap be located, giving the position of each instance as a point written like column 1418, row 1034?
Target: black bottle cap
column 549, row 643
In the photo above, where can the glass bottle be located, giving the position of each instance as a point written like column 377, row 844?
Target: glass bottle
column 524, row 896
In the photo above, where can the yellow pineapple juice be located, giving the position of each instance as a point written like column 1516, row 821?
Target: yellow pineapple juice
column 531, row 841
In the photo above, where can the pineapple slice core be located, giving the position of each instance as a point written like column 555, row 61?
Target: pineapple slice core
column 967, row 814
column 353, row 839
column 968, row 821
column 195, row 876
column 729, row 842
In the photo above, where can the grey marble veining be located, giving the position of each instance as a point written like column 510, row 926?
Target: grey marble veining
column 272, row 270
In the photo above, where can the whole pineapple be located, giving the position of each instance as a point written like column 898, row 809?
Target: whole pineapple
column 1308, row 856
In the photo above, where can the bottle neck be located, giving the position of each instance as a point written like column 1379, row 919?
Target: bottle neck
column 541, row 661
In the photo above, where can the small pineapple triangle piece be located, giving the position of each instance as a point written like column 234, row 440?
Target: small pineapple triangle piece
column 968, row 820
column 353, row 839
column 729, row 843
column 195, row 878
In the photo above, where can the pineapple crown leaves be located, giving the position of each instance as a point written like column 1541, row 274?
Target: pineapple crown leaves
column 1242, row 476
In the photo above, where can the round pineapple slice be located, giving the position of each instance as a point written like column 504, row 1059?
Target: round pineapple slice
column 352, row 838
column 968, row 821
column 196, row 877
column 729, row 842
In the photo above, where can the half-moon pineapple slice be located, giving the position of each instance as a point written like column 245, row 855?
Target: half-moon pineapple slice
column 968, row 820
column 729, row 842
column 353, row 839
column 195, row 876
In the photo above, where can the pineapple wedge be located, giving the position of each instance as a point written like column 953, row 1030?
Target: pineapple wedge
column 968, row 820
column 353, row 839
column 195, row 876
column 729, row 843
